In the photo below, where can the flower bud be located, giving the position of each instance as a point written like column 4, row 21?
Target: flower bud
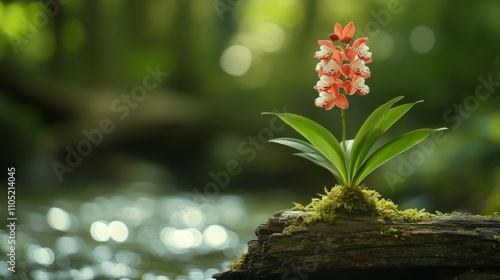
column 346, row 40
column 334, row 37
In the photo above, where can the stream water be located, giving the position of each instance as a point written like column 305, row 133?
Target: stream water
column 133, row 231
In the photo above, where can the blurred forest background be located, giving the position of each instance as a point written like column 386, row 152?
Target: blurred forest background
column 117, row 115
column 64, row 64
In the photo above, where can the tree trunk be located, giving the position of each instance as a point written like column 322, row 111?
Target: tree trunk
column 363, row 247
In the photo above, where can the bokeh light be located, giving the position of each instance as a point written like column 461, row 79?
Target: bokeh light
column 215, row 236
column 43, row 256
column 422, row 39
column 118, row 231
column 100, row 231
column 236, row 60
column 269, row 36
column 68, row 245
column 58, row 219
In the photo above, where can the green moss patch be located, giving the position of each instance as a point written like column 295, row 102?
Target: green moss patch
column 345, row 202
column 238, row 263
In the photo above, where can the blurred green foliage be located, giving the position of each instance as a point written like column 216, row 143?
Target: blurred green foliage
column 63, row 64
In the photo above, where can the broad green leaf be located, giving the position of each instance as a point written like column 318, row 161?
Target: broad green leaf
column 390, row 150
column 309, row 152
column 315, row 160
column 365, row 131
column 395, row 114
column 321, row 138
column 387, row 121
column 306, row 148
column 348, row 144
column 298, row 144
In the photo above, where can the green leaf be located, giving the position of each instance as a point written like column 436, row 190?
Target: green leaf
column 387, row 121
column 298, row 144
column 363, row 135
column 304, row 147
column 309, row 152
column 321, row 138
column 392, row 149
column 314, row 159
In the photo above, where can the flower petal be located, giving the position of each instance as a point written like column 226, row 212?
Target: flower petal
column 349, row 30
column 348, row 87
column 339, row 31
column 336, row 75
column 358, row 42
column 342, row 102
column 337, row 56
column 335, row 90
column 326, row 43
column 346, row 70
column 349, row 53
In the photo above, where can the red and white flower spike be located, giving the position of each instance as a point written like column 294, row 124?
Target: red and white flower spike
column 330, row 67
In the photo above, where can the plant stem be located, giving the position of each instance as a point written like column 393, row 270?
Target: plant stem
column 345, row 146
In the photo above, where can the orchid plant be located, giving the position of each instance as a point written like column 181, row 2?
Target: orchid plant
column 350, row 161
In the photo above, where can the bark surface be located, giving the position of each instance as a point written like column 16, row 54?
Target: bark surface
column 363, row 247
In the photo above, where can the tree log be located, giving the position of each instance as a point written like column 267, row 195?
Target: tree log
column 363, row 247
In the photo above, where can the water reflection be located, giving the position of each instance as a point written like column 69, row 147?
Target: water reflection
column 215, row 236
column 58, row 219
column 99, row 231
column 132, row 235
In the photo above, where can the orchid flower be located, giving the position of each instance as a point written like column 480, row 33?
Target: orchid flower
column 360, row 49
column 357, row 84
column 328, row 100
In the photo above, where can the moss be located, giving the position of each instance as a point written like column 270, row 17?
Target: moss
column 478, row 229
column 494, row 215
column 497, row 238
column 345, row 202
column 298, row 207
column 391, row 232
column 413, row 215
column 238, row 263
